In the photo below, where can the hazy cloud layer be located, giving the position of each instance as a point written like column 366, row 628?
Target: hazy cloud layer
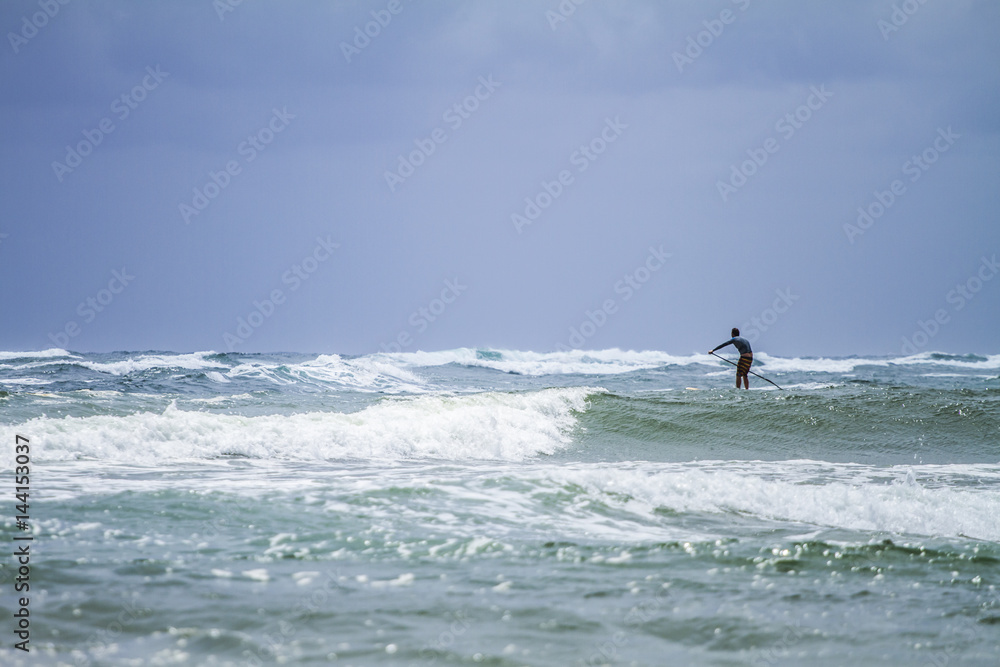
column 278, row 148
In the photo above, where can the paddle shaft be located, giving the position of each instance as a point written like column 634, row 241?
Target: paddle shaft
column 750, row 372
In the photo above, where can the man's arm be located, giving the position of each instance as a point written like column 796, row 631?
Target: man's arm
column 719, row 347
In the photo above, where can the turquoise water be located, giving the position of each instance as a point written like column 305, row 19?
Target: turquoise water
column 505, row 508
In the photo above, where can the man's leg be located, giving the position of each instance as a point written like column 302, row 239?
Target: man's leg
column 743, row 368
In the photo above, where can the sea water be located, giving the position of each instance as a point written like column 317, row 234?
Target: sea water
column 502, row 508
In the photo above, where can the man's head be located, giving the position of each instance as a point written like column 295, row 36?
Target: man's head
column 736, row 332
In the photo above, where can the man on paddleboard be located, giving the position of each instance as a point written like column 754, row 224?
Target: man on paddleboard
column 746, row 357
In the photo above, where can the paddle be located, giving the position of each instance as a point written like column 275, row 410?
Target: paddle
column 751, row 372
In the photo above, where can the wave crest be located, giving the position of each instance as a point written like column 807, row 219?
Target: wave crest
column 489, row 426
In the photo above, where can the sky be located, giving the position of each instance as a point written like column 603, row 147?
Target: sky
column 398, row 175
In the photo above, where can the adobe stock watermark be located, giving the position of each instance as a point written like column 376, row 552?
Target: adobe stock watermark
column 122, row 107
column 769, row 316
column 422, row 317
column 249, row 150
column 959, row 297
column 786, row 126
column 961, row 634
column 89, row 308
column 99, row 642
column 294, row 277
column 915, row 167
column 223, row 7
column 318, row 598
column 899, row 17
column 562, row 12
column 37, row 21
column 454, row 116
column 697, row 43
column 581, row 158
column 363, row 38
column 794, row 632
column 627, row 287
column 955, row 648
column 446, row 638
column 607, row 651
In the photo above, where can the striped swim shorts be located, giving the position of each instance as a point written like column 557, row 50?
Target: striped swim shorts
column 743, row 367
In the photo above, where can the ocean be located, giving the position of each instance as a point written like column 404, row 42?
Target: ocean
column 499, row 507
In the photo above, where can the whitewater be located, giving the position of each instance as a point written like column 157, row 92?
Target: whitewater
column 504, row 507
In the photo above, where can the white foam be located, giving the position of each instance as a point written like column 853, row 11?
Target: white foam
column 856, row 498
column 27, row 381
column 258, row 370
column 848, row 365
column 991, row 362
column 370, row 374
column 624, row 503
column 40, row 354
column 191, row 361
column 405, row 579
column 811, row 386
column 764, row 362
column 492, row 425
column 87, row 394
column 217, row 400
column 360, row 373
column 480, row 505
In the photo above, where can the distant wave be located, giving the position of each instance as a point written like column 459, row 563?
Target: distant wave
column 361, row 373
column 371, row 373
column 616, row 361
column 40, row 354
column 570, row 362
column 401, row 372
column 850, row 364
column 146, row 362
column 129, row 364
